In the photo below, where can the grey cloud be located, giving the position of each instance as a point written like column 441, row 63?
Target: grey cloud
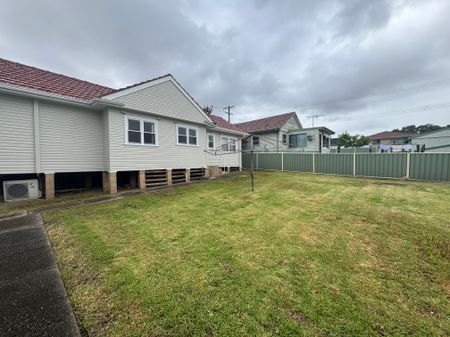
column 264, row 57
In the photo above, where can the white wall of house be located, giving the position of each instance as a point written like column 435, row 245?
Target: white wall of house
column 16, row 135
column 163, row 99
column 166, row 154
column 71, row 138
column 42, row 136
column 218, row 155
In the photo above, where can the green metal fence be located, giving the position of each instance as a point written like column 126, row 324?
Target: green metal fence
column 417, row 166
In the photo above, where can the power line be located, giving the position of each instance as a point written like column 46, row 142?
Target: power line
column 228, row 111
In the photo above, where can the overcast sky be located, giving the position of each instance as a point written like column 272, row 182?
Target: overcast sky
column 367, row 65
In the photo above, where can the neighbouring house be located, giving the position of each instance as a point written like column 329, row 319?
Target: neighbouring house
column 69, row 133
column 434, row 141
column 391, row 138
column 284, row 133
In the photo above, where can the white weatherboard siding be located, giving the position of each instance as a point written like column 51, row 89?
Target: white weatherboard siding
column 222, row 158
column 71, row 139
column 163, row 99
column 166, row 155
column 17, row 153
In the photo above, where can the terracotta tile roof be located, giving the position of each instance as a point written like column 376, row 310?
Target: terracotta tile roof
column 17, row 74
column 391, row 135
column 222, row 123
column 266, row 124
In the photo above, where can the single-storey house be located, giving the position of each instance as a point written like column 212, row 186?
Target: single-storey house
column 391, row 138
column 434, row 141
column 284, row 133
column 69, row 133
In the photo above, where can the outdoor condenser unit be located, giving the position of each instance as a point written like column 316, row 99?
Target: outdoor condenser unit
column 16, row 190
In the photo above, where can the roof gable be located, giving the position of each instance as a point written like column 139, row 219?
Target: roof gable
column 162, row 97
column 268, row 123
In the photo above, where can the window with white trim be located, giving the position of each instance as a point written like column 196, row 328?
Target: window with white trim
column 224, row 145
column 228, row 144
column 186, row 136
column 140, row 131
column 284, row 138
column 210, row 141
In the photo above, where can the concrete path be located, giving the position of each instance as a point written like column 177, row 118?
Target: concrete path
column 33, row 301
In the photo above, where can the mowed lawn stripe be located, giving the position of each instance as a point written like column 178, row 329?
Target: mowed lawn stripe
column 302, row 255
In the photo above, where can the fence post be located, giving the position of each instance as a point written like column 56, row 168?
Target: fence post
column 354, row 164
column 282, row 161
column 257, row 161
column 408, row 164
column 314, row 163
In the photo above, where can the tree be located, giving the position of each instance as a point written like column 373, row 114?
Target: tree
column 347, row 140
column 420, row 129
column 208, row 109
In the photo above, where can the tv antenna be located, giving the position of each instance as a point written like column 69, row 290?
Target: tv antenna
column 314, row 116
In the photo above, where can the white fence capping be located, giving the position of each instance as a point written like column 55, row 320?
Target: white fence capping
column 282, row 161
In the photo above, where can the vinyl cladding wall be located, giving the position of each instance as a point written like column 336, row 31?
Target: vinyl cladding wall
column 127, row 157
column 71, row 139
column 16, row 135
column 164, row 99
column 422, row 166
column 217, row 157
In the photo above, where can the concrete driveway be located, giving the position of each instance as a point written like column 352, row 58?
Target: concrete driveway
column 33, row 301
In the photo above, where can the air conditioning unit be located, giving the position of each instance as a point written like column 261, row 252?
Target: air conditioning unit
column 16, row 190
column 310, row 137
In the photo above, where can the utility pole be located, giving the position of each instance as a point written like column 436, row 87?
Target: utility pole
column 228, row 111
column 313, row 116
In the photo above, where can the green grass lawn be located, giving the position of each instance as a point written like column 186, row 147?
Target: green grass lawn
column 304, row 255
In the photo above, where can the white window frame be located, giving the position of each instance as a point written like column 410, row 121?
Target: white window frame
column 213, row 140
column 228, row 144
column 187, row 127
column 222, row 145
column 141, row 130
column 284, row 138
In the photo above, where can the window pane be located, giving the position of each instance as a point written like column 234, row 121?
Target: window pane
column 134, row 125
column 255, row 140
column 134, row 137
column 192, row 140
column 149, row 138
column 182, row 139
column 211, row 141
column 302, row 140
column 182, row 131
column 232, row 145
column 292, row 140
column 149, row 127
column 192, row 133
column 224, row 146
